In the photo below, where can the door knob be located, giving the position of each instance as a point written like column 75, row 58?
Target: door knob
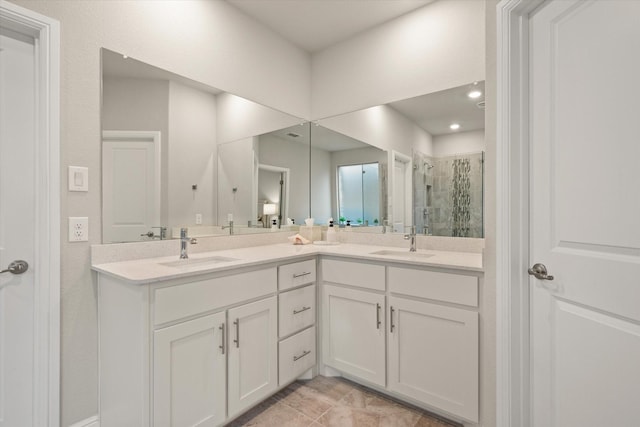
column 16, row 267
column 540, row 272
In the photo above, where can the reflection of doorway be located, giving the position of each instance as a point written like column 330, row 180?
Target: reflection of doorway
column 273, row 188
column 130, row 184
column 359, row 193
column 401, row 191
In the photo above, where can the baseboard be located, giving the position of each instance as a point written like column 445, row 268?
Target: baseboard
column 89, row 422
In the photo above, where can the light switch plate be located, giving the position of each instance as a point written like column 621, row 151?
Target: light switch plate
column 78, row 178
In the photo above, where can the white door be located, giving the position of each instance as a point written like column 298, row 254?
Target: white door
column 189, row 379
column 401, row 192
column 353, row 333
column 130, row 185
column 17, row 239
column 585, row 213
column 433, row 355
column 253, row 353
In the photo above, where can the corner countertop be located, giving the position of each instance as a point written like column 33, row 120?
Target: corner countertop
column 152, row 270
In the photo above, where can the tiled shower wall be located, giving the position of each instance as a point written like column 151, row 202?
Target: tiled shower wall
column 434, row 195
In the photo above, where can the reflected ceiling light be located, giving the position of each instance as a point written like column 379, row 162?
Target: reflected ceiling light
column 475, row 92
column 454, row 126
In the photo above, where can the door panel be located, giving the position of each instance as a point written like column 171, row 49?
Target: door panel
column 253, row 353
column 189, row 373
column 585, row 208
column 17, row 223
column 353, row 332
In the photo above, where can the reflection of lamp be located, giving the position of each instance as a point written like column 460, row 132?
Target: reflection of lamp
column 268, row 209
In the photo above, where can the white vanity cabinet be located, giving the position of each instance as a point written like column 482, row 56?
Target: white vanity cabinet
column 423, row 344
column 192, row 351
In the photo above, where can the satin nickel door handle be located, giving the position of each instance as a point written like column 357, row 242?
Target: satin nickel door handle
column 237, row 340
column 304, row 353
column 16, row 267
column 378, row 316
column 221, row 346
column 392, row 326
column 540, row 272
column 303, row 309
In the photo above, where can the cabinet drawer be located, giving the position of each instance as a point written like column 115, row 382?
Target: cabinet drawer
column 368, row 276
column 297, row 355
column 447, row 287
column 296, row 274
column 297, row 309
column 175, row 302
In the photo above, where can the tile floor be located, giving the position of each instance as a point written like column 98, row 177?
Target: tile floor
column 334, row 402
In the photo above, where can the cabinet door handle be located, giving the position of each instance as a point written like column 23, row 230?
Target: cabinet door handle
column 391, row 318
column 221, row 346
column 378, row 316
column 301, row 310
column 295, row 276
column 304, row 353
column 237, row 340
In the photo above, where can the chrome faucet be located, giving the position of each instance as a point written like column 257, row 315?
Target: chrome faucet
column 184, row 240
column 411, row 236
column 230, row 227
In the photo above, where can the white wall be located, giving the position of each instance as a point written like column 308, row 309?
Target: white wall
column 192, row 156
column 240, row 118
column 458, row 143
column 382, row 127
column 433, row 48
column 276, row 151
column 207, row 41
column 237, row 165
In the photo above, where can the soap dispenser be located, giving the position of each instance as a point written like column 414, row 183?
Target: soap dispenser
column 331, row 232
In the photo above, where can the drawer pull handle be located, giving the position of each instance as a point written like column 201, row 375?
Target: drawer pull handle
column 237, row 340
column 392, row 325
column 304, row 353
column 301, row 310
column 295, row 276
column 221, row 347
column 378, row 316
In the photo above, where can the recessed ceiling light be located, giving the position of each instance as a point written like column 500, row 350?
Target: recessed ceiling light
column 454, row 126
column 474, row 94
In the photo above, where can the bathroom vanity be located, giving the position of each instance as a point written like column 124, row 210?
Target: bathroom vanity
column 200, row 341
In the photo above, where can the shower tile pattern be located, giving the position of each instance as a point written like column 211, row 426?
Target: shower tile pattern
column 335, row 402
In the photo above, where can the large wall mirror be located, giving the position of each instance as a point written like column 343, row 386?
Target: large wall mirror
column 416, row 162
column 177, row 153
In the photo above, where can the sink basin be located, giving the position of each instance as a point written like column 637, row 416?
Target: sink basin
column 198, row 261
column 403, row 254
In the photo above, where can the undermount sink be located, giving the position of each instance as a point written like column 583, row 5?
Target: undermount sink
column 198, row 261
column 403, row 254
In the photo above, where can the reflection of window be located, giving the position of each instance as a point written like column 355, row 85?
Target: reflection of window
column 359, row 193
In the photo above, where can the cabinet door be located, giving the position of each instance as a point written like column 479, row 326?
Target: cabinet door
column 189, row 387
column 253, row 353
column 433, row 355
column 353, row 332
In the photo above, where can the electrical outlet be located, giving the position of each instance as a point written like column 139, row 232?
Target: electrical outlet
column 78, row 229
column 198, row 219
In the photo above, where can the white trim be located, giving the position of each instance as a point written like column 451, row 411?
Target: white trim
column 408, row 209
column 512, row 213
column 88, row 422
column 46, row 34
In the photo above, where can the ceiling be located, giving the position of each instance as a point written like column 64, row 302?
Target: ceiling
column 435, row 112
column 314, row 25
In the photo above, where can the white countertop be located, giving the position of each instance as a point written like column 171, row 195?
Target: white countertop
column 150, row 270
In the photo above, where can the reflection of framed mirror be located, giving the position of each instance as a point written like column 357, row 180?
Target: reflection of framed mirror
column 194, row 126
